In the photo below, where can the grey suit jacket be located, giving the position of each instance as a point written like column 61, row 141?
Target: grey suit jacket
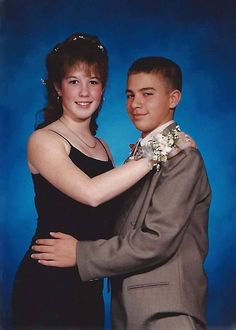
column 156, row 258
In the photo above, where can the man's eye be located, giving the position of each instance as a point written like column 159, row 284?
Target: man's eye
column 129, row 96
column 147, row 94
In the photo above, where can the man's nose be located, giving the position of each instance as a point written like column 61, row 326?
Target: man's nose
column 136, row 102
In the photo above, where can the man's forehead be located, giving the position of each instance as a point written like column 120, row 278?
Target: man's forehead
column 142, row 89
column 143, row 81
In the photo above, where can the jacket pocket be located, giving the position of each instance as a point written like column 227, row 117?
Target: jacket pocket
column 147, row 285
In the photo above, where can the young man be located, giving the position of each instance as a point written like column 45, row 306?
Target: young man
column 155, row 261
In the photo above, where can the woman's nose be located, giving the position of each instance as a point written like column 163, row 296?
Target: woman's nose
column 84, row 91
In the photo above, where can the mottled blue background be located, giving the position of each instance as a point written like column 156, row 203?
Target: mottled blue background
column 199, row 35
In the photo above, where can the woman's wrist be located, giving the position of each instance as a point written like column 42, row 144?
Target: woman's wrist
column 147, row 162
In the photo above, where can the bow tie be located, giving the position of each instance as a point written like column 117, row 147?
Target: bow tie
column 136, row 150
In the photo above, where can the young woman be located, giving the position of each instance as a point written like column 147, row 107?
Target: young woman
column 74, row 184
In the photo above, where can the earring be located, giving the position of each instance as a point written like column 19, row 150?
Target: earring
column 58, row 99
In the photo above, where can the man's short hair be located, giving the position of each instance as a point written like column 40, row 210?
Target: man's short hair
column 169, row 70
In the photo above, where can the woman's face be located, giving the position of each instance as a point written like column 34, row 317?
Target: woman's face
column 81, row 91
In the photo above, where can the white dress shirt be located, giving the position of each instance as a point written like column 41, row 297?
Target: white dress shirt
column 154, row 133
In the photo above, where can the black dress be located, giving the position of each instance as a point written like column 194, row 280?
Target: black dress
column 50, row 297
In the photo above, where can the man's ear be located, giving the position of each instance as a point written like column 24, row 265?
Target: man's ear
column 175, row 97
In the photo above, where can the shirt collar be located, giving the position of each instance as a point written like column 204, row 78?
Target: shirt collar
column 155, row 132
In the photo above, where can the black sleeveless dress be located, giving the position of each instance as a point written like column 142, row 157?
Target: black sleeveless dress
column 50, row 297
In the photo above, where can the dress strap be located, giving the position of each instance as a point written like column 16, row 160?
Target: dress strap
column 61, row 136
column 72, row 144
column 103, row 147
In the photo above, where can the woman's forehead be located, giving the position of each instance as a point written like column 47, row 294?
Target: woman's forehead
column 90, row 69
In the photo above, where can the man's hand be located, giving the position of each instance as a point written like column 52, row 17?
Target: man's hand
column 57, row 252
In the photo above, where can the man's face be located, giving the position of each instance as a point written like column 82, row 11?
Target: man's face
column 149, row 101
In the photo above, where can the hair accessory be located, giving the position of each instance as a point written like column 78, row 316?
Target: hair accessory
column 80, row 37
column 76, row 38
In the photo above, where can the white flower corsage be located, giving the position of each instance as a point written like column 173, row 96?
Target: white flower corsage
column 158, row 147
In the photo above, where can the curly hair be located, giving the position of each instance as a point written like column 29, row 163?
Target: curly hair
column 78, row 48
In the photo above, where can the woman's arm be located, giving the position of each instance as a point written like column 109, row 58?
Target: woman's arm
column 47, row 155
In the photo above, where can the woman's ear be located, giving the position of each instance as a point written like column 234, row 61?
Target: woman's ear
column 57, row 88
column 175, row 97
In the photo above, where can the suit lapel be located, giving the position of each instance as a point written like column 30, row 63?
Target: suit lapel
column 138, row 199
column 130, row 199
column 140, row 203
column 143, row 201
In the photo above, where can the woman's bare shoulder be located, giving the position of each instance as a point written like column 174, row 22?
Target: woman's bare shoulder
column 45, row 139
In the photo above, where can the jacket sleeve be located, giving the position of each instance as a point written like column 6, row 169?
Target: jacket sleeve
column 175, row 196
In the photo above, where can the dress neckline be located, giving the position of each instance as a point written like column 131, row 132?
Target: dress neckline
column 82, row 153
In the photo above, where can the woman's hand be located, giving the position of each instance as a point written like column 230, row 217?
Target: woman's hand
column 185, row 141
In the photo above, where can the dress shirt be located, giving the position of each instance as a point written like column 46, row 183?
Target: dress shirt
column 154, row 133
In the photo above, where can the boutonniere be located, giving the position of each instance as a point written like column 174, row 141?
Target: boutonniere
column 158, row 147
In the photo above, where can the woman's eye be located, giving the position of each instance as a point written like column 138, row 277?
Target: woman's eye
column 94, row 82
column 73, row 82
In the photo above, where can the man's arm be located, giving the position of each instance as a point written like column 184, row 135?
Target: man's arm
column 162, row 230
column 163, row 227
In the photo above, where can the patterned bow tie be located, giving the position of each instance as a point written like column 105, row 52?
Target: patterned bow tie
column 136, row 150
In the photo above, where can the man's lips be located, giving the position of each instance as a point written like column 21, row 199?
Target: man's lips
column 138, row 115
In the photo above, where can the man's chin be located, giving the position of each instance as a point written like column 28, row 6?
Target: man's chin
column 142, row 128
column 138, row 125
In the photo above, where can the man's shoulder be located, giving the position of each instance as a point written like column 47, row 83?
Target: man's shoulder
column 189, row 152
column 188, row 157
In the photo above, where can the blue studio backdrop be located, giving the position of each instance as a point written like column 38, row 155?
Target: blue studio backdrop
column 199, row 35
